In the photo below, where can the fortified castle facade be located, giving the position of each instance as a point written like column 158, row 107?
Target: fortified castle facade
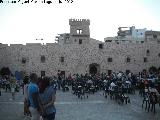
column 76, row 52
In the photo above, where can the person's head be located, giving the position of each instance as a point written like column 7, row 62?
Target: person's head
column 40, row 84
column 43, row 83
column 33, row 77
column 26, row 80
column 46, row 81
column 39, row 79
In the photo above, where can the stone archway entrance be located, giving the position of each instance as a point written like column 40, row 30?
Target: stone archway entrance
column 94, row 68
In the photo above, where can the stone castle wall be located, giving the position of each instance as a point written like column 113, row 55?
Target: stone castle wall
column 77, row 58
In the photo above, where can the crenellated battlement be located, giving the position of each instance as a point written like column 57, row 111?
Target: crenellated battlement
column 79, row 22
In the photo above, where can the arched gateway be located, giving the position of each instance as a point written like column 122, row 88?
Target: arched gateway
column 94, row 68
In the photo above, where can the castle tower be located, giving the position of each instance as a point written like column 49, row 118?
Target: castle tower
column 79, row 30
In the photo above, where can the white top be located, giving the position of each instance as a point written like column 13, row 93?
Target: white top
column 111, row 87
column 128, row 82
column 112, row 84
column 119, row 75
column 154, row 90
column 105, row 81
column 90, row 81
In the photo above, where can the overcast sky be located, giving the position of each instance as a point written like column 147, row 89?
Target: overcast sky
column 21, row 23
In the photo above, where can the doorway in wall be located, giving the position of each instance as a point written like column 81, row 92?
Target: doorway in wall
column 94, row 68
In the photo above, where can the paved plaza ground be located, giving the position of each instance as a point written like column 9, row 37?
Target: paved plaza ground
column 69, row 107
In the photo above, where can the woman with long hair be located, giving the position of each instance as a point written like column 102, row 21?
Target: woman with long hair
column 47, row 96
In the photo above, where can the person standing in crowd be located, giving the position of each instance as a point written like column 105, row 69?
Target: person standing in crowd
column 47, row 98
column 7, row 83
column 59, row 79
column 0, row 86
column 33, row 97
column 54, row 82
column 13, row 87
column 26, row 100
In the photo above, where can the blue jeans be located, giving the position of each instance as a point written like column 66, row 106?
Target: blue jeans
column 51, row 116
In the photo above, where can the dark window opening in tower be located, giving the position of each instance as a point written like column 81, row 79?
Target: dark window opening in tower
column 128, row 59
column 145, row 59
column 62, row 59
column 154, row 36
column 100, row 46
column 43, row 59
column 80, row 41
column 23, row 60
column 147, row 52
column 79, row 31
column 110, row 60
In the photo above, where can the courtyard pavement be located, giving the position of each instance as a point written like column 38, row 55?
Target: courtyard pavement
column 69, row 107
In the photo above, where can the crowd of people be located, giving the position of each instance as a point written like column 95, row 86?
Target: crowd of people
column 40, row 92
column 117, row 85
column 39, row 95
column 9, row 84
